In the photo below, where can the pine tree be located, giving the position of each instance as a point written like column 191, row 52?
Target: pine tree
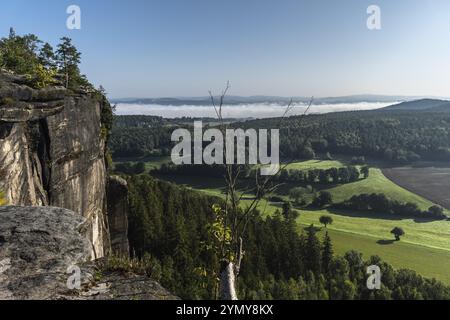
column 312, row 254
column 327, row 254
column 68, row 59
column 47, row 56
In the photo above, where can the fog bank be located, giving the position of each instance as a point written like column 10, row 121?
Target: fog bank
column 242, row 110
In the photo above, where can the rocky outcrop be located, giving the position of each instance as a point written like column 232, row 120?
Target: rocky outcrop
column 52, row 168
column 116, row 286
column 52, row 152
column 44, row 254
column 21, row 103
column 117, row 215
column 37, row 246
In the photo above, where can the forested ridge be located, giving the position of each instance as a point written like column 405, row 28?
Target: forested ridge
column 398, row 136
column 170, row 223
column 137, row 136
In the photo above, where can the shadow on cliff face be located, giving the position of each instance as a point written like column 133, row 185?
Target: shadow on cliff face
column 5, row 129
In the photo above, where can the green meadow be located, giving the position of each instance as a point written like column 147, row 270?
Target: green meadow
column 424, row 248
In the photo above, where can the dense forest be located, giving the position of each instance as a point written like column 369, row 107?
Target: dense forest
column 396, row 136
column 313, row 176
column 139, row 136
column 170, row 224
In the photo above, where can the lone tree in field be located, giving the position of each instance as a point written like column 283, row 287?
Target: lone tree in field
column 326, row 220
column 397, row 232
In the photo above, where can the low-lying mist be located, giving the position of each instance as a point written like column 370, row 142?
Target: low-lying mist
column 241, row 110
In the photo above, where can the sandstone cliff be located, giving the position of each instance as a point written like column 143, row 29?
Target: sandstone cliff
column 54, row 178
column 117, row 192
column 52, row 152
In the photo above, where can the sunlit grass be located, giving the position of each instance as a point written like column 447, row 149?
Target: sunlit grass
column 424, row 248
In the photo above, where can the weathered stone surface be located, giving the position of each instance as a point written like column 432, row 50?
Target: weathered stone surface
column 37, row 245
column 117, row 215
column 23, row 111
column 78, row 172
column 52, row 152
column 20, row 176
column 17, row 87
column 21, row 103
column 115, row 286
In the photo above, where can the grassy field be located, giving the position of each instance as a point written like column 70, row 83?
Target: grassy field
column 432, row 234
column 378, row 183
column 429, row 262
column 315, row 164
column 425, row 247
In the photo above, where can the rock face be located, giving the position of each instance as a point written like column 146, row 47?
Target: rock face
column 116, row 286
column 52, row 169
column 37, row 245
column 43, row 248
column 52, row 152
column 117, row 215
column 78, row 173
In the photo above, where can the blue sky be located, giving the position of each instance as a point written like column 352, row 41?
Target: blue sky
column 158, row 48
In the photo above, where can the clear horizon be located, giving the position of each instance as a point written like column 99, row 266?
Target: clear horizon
column 284, row 48
column 287, row 97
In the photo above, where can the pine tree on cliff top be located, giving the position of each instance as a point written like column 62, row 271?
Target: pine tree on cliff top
column 68, row 59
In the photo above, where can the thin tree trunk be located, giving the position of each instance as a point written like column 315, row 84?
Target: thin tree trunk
column 228, row 276
column 228, row 282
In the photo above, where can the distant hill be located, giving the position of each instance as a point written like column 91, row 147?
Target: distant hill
column 421, row 105
column 235, row 100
